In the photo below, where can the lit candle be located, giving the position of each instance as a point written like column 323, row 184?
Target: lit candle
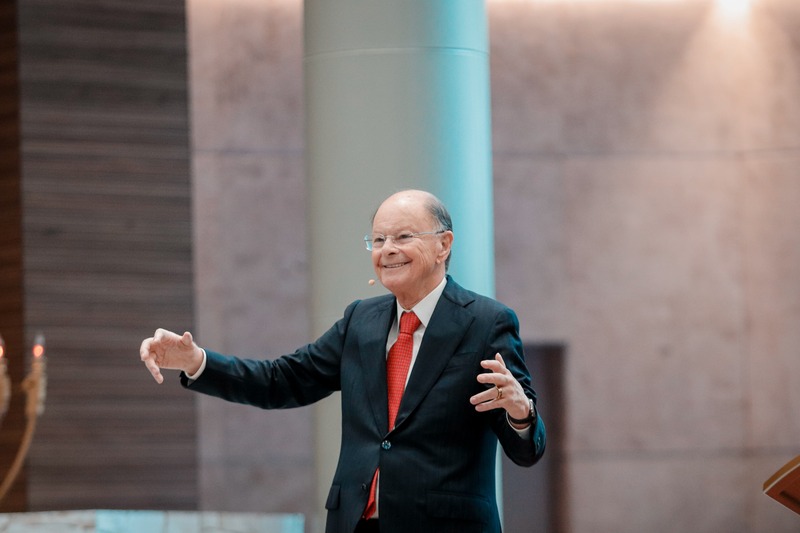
column 38, row 346
column 37, row 379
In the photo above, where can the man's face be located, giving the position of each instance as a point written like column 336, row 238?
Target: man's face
column 410, row 270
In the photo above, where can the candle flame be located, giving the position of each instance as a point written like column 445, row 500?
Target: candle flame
column 38, row 345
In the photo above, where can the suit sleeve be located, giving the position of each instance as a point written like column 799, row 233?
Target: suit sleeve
column 301, row 378
column 505, row 340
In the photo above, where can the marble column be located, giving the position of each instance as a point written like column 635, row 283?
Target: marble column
column 397, row 96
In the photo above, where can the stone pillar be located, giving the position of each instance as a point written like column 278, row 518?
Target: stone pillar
column 397, row 96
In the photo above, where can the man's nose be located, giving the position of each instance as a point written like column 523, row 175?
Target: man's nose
column 390, row 245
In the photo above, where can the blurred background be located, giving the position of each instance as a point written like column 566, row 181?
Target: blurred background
column 646, row 162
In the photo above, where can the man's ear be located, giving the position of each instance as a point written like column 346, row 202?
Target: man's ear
column 447, row 245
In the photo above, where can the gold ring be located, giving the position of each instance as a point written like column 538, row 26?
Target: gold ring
column 499, row 393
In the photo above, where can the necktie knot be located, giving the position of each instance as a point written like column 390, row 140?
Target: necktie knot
column 409, row 322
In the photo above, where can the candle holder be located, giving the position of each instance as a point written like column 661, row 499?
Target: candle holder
column 34, row 385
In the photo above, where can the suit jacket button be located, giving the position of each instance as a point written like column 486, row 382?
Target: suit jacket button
column 364, row 487
column 386, row 445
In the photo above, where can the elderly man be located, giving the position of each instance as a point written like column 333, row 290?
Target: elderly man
column 431, row 376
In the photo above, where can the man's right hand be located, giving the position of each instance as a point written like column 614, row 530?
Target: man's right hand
column 166, row 349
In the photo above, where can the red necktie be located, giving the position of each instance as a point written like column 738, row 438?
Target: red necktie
column 398, row 362
column 397, row 365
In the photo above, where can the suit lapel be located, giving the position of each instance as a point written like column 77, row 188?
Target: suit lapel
column 448, row 324
column 372, row 350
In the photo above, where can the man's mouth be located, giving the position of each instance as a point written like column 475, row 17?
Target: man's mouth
column 395, row 265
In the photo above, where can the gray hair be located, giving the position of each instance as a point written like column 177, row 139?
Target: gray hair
column 440, row 214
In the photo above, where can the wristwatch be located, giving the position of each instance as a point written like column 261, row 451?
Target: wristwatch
column 528, row 419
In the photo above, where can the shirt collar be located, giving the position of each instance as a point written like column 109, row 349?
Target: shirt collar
column 425, row 307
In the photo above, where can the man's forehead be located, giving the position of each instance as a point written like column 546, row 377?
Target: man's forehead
column 394, row 214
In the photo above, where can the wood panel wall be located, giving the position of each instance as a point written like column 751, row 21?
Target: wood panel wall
column 11, row 293
column 108, row 247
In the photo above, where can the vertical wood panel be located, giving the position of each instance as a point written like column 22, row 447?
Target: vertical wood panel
column 108, row 254
column 11, row 299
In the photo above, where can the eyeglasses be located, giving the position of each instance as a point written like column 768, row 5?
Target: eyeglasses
column 376, row 242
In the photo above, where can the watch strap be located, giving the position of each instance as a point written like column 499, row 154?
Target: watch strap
column 528, row 419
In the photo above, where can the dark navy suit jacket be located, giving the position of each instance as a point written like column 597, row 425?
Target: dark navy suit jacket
column 438, row 464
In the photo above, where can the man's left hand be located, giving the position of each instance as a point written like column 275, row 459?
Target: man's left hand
column 506, row 393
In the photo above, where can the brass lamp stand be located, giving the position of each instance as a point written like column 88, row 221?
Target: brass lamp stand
column 35, row 388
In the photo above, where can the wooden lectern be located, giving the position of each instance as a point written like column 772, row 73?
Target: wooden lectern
column 784, row 485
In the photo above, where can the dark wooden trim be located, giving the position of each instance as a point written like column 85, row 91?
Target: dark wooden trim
column 11, row 252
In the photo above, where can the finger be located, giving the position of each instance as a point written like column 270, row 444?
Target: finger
column 495, row 365
column 154, row 370
column 163, row 336
column 482, row 399
column 144, row 349
column 484, row 402
column 186, row 339
column 148, row 357
column 489, row 395
column 490, row 364
column 486, row 406
column 489, row 378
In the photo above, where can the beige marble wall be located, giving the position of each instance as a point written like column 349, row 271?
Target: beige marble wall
column 646, row 189
column 647, row 184
column 250, row 260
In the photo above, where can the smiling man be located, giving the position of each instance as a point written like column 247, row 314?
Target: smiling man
column 432, row 377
